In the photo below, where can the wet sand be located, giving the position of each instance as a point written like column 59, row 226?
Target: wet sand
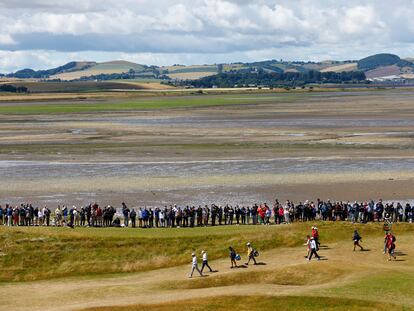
column 338, row 145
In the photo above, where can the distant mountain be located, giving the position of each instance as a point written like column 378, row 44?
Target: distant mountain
column 378, row 60
column 113, row 67
column 384, row 65
column 30, row 73
column 374, row 67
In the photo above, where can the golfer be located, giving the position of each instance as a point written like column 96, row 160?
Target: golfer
column 194, row 266
column 315, row 235
column 390, row 238
column 205, row 261
column 313, row 248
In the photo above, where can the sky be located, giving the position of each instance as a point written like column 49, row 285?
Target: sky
column 41, row 34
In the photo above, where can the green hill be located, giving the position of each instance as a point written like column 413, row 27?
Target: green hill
column 378, row 60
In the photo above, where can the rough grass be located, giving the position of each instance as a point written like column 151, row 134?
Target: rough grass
column 380, row 286
column 298, row 275
column 44, row 253
column 262, row 303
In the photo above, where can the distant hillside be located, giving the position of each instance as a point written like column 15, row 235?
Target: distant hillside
column 340, row 68
column 379, row 66
column 384, row 71
column 100, row 68
column 182, row 72
column 30, row 73
column 378, row 60
column 385, row 65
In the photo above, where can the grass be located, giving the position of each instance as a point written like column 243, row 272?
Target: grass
column 262, row 303
column 44, row 253
column 298, row 275
column 157, row 103
column 382, row 285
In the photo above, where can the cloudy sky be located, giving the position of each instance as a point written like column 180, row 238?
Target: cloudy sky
column 45, row 33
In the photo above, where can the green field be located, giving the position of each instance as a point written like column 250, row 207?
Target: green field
column 140, row 104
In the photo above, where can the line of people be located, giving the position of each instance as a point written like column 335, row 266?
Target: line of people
column 93, row 215
column 234, row 258
column 312, row 244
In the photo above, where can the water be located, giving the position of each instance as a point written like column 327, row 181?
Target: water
column 205, row 122
column 31, row 170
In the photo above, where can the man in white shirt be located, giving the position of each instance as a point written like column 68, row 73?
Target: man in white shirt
column 194, row 266
column 205, row 262
column 313, row 246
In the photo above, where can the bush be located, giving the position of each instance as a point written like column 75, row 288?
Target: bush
column 13, row 89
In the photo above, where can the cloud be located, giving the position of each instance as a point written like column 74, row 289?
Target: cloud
column 6, row 39
column 209, row 28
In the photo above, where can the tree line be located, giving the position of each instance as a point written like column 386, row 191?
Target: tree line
column 276, row 79
column 13, row 89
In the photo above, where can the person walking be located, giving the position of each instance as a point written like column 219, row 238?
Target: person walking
column 233, row 255
column 315, row 236
column 357, row 238
column 205, row 261
column 390, row 243
column 313, row 249
column 194, row 266
column 250, row 254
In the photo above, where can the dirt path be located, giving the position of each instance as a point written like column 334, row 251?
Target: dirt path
column 149, row 287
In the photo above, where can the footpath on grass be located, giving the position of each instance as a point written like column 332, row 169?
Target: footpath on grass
column 282, row 272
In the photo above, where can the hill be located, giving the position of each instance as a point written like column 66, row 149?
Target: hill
column 341, row 67
column 112, row 67
column 378, row 60
column 379, row 66
column 69, row 67
column 385, row 65
column 182, row 72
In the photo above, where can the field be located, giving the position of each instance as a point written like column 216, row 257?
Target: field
column 104, row 269
column 383, row 71
column 100, row 68
column 190, row 72
column 88, row 87
column 151, row 147
column 340, row 68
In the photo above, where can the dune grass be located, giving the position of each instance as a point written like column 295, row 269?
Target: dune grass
column 380, row 286
column 298, row 275
column 44, row 253
column 262, row 303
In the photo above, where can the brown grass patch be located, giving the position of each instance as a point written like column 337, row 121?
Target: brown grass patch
column 298, row 275
column 262, row 303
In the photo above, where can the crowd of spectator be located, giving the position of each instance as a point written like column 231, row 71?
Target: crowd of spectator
column 93, row 215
